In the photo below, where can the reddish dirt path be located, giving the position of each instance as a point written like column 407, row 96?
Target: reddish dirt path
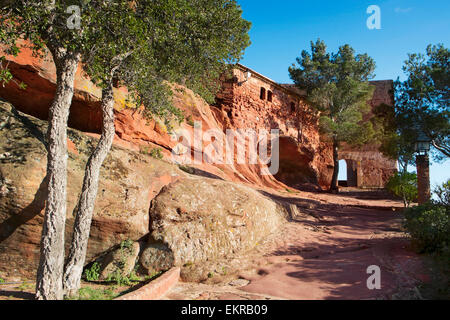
column 324, row 254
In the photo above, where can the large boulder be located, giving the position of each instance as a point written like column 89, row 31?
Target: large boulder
column 200, row 219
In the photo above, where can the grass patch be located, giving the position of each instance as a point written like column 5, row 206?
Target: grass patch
column 155, row 153
column 95, row 294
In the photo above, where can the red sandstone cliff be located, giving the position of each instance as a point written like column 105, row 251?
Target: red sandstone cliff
column 304, row 155
column 305, row 159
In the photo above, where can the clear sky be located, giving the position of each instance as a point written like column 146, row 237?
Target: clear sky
column 282, row 29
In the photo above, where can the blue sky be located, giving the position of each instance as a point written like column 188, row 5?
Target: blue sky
column 282, row 29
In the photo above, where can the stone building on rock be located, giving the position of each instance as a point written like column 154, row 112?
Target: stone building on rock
column 251, row 100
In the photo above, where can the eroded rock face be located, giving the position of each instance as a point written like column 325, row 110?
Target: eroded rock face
column 192, row 219
column 133, row 131
column 305, row 157
column 128, row 182
column 197, row 219
column 157, row 256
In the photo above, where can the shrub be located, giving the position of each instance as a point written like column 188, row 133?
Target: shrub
column 93, row 273
column 403, row 185
column 429, row 226
column 126, row 244
column 156, row 153
column 118, row 278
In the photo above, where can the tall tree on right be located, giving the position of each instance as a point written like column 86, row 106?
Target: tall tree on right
column 337, row 86
column 422, row 101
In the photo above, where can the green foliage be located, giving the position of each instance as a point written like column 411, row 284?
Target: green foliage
column 156, row 153
column 429, row 227
column 429, row 224
column 93, row 273
column 422, row 101
column 403, row 185
column 337, row 86
column 443, row 194
column 144, row 45
column 94, row 294
column 126, row 244
column 2, row 280
column 118, row 278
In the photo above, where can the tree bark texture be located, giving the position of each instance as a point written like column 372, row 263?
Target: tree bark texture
column 51, row 263
column 86, row 202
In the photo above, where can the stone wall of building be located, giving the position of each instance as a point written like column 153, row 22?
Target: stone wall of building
column 260, row 103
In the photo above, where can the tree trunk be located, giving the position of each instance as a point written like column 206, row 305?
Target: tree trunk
column 51, row 262
column 86, row 202
column 334, row 179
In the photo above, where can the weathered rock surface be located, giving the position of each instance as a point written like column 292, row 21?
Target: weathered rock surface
column 192, row 218
column 128, row 182
column 196, row 219
column 120, row 261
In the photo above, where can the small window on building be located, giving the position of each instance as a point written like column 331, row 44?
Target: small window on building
column 262, row 95
column 269, row 96
column 293, row 107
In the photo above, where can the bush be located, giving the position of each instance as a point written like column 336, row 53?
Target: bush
column 156, row 153
column 429, row 226
column 403, row 185
column 93, row 273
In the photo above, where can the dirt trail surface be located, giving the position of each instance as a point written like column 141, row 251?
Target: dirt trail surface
column 324, row 253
